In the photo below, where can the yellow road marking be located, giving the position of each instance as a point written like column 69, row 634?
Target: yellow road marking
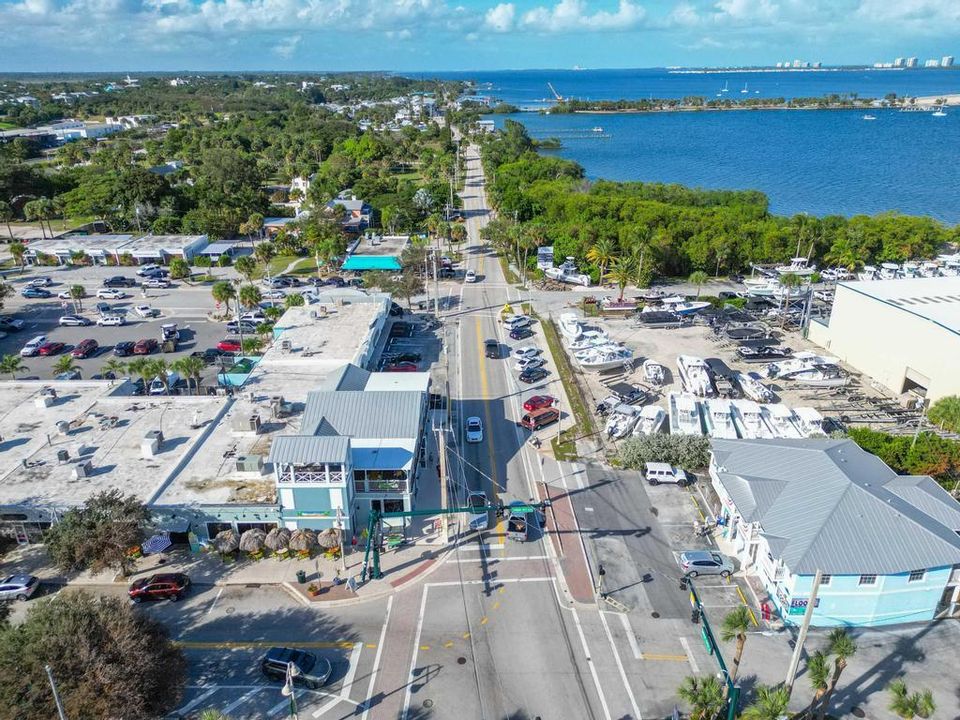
column 424, row 647
column 491, row 446
column 502, row 590
column 496, row 605
column 484, row 620
column 663, row 658
column 371, row 646
column 448, row 643
column 703, row 517
column 466, row 635
column 747, row 605
column 239, row 644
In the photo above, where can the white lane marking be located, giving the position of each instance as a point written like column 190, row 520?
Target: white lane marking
column 623, row 675
column 483, row 547
column 590, row 509
column 376, row 659
column 197, row 700
column 631, row 636
column 214, row 603
column 457, row 583
column 593, row 669
column 413, row 660
column 323, row 708
column 283, row 705
column 241, row 700
column 351, row 671
column 504, row 559
column 686, row 649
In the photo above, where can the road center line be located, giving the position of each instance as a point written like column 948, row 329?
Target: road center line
column 376, row 659
column 413, row 660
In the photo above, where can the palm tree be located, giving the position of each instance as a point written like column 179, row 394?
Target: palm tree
column 698, row 278
column 140, row 367
column 250, row 296
column 223, row 292
column 191, row 368
column 115, row 366
column 458, row 232
column 247, row 267
column 158, row 369
column 78, row 293
column 11, row 364
column 735, row 626
column 18, row 250
column 842, row 647
column 213, row 715
column 64, row 364
column 265, row 252
column 818, row 672
column 704, row 695
column 622, row 271
column 770, row 704
column 294, row 300
column 7, row 215
column 601, row 253
column 907, row 705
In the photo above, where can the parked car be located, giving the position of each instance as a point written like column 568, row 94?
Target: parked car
column 520, row 321
column 210, row 355
column 229, row 345
column 402, row 367
column 401, row 329
column 538, row 401
column 273, row 295
column 164, row 586
column 470, row 276
column 247, row 327
column 536, row 419
column 156, row 282
column 533, row 375
column 9, row 325
column 118, row 281
column 109, row 320
column 73, row 374
column 102, row 308
column 413, row 357
column 491, row 349
column 705, row 562
column 124, row 348
column 85, row 348
column 521, row 333
column 529, row 363
column 145, row 270
column 474, row 430
column 335, row 281
column 526, row 351
column 144, row 311
column 51, row 348
column 74, row 321
column 35, row 292
column 67, row 295
column 18, row 587
column 312, row 671
column 146, row 346
column 658, row 472
column 33, row 346
column 41, row 281
column 254, row 316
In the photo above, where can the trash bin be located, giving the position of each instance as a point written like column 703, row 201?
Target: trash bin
column 301, row 576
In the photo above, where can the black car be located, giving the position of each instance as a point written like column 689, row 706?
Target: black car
column 395, row 310
column 9, row 327
column 313, row 672
column 521, row 333
column 119, row 281
column 124, row 349
column 491, row 348
column 335, row 281
column 533, row 375
column 390, row 358
column 210, row 355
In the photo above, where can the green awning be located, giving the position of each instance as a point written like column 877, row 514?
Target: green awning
column 372, row 262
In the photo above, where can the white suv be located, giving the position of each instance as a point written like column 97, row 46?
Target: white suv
column 474, row 430
column 657, row 473
column 33, row 346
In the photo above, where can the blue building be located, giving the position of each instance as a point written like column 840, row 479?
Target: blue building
column 888, row 546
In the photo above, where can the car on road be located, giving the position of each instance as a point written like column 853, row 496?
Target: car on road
column 470, row 276
column 111, row 320
column 110, row 294
column 310, row 671
column 164, row 586
column 537, row 402
column 491, row 349
column 74, row 321
column 273, row 295
column 533, row 375
column 474, row 430
column 402, row 367
column 67, row 295
column 229, row 345
column 479, row 517
column 33, row 346
column 529, row 363
column 35, row 292
column 18, row 587
column 85, row 348
column 145, row 346
column 41, row 281
column 705, row 562
column 51, row 348
column 144, row 311
column 521, row 333
column 156, row 282
column 72, row 374
column 526, row 351
column 124, row 348
column 118, row 281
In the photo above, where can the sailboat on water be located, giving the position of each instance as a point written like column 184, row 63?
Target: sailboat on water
column 744, row 91
column 726, row 87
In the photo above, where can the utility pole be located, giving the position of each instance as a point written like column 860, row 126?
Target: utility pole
column 801, row 638
column 442, row 457
column 56, row 695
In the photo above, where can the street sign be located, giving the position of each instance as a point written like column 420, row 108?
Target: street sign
column 706, row 640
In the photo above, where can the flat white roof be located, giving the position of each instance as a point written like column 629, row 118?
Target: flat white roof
column 170, row 244
column 89, row 243
column 934, row 299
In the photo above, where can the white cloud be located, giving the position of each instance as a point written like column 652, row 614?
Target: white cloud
column 288, row 46
column 500, row 18
column 572, row 15
column 747, row 10
column 684, row 14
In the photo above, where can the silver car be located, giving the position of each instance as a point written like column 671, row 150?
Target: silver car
column 18, row 587
column 705, row 562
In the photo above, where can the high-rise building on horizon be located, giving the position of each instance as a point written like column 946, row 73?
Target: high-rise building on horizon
column 932, row 63
column 898, row 62
column 947, row 61
column 911, row 62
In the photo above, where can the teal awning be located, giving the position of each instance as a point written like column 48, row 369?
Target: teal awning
column 372, row 262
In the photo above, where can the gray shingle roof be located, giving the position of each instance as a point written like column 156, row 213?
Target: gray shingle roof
column 348, row 377
column 835, row 507
column 355, row 413
column 303, row 449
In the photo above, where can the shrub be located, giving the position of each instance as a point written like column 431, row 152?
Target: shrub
column 688, row 451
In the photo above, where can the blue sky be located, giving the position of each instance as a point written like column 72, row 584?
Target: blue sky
column 419, row 35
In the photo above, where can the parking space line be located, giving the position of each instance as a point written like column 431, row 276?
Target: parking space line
column 214, row 603
column 283, row 705
column 197, row 700
column 631, row 637
column 242, row 699
column 686, row 649
column 376, row 660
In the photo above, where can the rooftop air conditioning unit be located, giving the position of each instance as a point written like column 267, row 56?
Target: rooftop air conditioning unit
column 250, row 463
column 63, row 456
column 82, row 470
column 254, row 423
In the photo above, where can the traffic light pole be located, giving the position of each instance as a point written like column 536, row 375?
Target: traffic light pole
column 713, row 647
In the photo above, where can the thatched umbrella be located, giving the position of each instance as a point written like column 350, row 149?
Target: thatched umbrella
column 252, row 540
column 302, row 540
column 277, row 539
column 329, row 538
column 226, row 541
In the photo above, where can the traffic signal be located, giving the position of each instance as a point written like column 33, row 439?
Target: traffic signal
column 695, row 615
column 500, row 510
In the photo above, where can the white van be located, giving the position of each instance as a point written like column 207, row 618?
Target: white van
column 157, row 386
column 657, row 473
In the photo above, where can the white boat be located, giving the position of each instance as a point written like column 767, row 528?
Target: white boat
column 607, row 359
column 570, row 326
column 767, row 290
column 798, row 266
column 651, row 420
column 869, row 272
column 779, row 418
column 800, row 362
column 889, row 271
column 718, row 418
column 869, row 117
column 597, row 129
column 753, row 388
column 726, row 87
column 810, row 369
column 622, row 421
column 939, row 113
column 824, row 376
column 589, row 339
column 684, row 414
column 809, row 421
column 749, row 421
column 589, row 352
column 678, row 305
column 745, row 90
column 695, row 376
column 653, row 372
column 568, row 273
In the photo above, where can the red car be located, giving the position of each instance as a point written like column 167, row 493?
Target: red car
column 147, row 346
column 85, row 348
column 539, row 401
column 167, row 586
column 51, row 348
column 402, row 367
column 229, row 345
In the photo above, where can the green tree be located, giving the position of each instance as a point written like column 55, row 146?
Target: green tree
column 98, row 534
column 158, row 370
column 7, row 216
column 104, row 655
column 191, row 368
column 264, row 252
column 698, row 278
column 141, row 368
column 202, row 261
column 247, row 267
column 945, row 413
column 77, row 294
column 910, row 705
column 622, row 271
column 842, row 647
column 252, row 345
column 294, row 300
column 6, row 290
column 79, row 257
column 770, row 703
column 18, row 250
column 114, row 366
column 64, row 364
column 223, row 292
column 704, row 695
column 818, row 673
column 734, row 627
column 11, row 365
column 602, row 253
column 179, row 269
column 408, row 286
column 250, row 296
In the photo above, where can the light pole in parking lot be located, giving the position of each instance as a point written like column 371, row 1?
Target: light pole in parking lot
column 289, row 691
column 56, row 695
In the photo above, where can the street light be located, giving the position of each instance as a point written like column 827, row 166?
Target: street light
column 289, row 691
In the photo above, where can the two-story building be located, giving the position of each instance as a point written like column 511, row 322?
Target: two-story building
column 887, row 546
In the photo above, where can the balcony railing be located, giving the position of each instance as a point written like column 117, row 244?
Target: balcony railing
column 293, row 474
column 397, row 487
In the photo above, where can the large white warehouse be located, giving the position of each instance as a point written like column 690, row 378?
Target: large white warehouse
column 905, row 334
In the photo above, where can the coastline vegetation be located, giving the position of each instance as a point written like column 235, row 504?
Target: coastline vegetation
column 698, row 102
